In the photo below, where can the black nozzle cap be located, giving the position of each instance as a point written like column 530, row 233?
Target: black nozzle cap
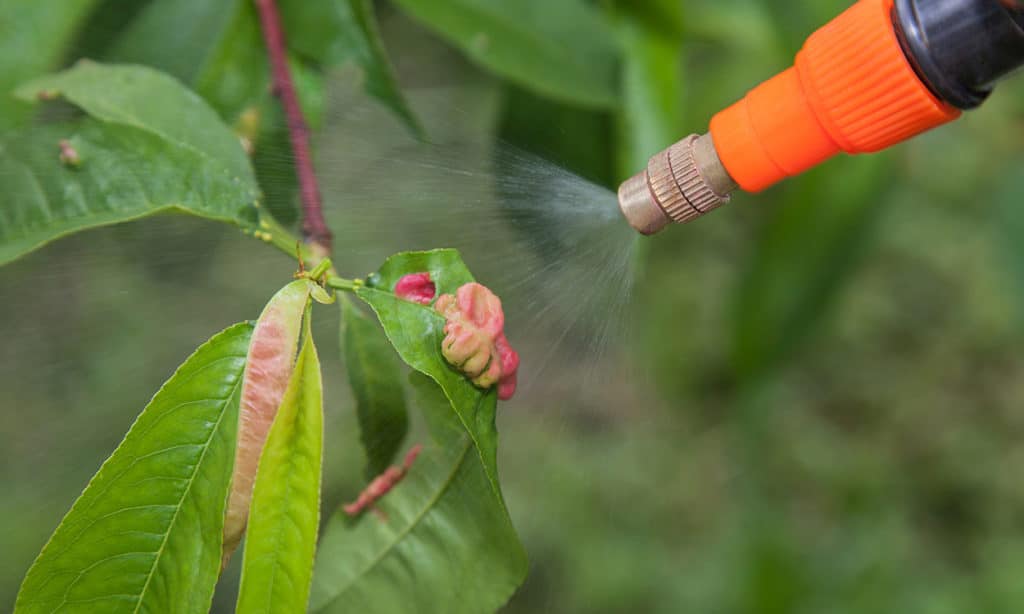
column 960, row 48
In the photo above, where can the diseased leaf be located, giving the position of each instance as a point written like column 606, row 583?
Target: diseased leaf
column 153, row 146
column 34, row 35
column 373, row 372
column 278, row 562
column 806, row 251
column 335, row 32
column 417, row 330
column 146, row 533
column 560, row 49
column 268, row 371
column 448, row 544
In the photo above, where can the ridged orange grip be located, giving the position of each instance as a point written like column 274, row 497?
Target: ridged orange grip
column 851, row 89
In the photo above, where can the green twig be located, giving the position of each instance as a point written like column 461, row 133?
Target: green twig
column 340, row 283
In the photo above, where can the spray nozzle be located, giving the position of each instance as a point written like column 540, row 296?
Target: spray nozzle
column 679, row 184
column 879, row 73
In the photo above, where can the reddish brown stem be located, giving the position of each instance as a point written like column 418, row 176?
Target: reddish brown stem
column 314, row 227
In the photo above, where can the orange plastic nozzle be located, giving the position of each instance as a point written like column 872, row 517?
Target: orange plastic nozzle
column 851, row 89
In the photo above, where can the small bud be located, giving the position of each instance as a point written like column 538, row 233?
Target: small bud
column 416, row 287
column 247, row 127
column 68, row 154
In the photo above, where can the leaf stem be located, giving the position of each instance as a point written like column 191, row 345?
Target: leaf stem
column 314, row 227
column 340, row 283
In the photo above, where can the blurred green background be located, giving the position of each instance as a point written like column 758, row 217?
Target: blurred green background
column 817, row 401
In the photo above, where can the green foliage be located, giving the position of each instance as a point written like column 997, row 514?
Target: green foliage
column 146, row 533
column 806, row 250
column 150, row 146
column 34, row 35
column 1009, row 196
column 438, row 537
column 336, row 32
column 222, row 57
column 149, row 101
column 285, row 513
column 373, row 373
column 564, row 50
column 447, row 544
column 823, row 480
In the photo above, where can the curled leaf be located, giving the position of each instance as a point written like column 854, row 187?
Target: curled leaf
column 278, row 561
column 416, row 287
column 268, row 369
column 475, row 341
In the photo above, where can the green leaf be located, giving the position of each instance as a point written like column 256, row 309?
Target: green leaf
column 146, row 533
column 373, row 373
column 222, row 57
column 150, row 101
column 34, row 35
column 448, row 543
column 278, row 563
column 584, row 142
column 806, row 251
column 561, row 49
column 336, row 32
column 152, row 147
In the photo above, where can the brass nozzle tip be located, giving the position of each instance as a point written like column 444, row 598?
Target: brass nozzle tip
column 638, row 205
column 680, row 183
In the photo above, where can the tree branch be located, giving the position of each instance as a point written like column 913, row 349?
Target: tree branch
column 314, row 227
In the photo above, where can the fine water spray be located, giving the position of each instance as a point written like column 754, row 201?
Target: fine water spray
column 880, row 73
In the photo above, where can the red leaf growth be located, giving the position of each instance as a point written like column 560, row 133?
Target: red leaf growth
column 475, row 339
column 382, row 484
column 416, row 287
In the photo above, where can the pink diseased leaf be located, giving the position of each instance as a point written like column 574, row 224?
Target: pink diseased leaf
column 268, row 368
column 475, row 341
column 416, row 287
column 509, row 368
column 277, row 565
column 447, row 524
